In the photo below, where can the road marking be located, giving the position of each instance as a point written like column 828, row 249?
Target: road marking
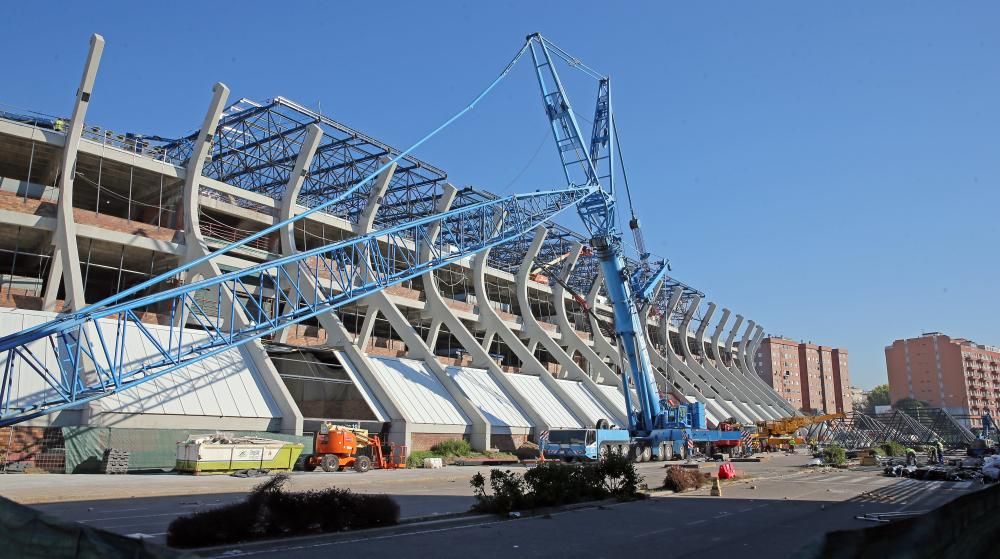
column 141, row 536
column 702, row 521
column 127, row 517
column 653, row 533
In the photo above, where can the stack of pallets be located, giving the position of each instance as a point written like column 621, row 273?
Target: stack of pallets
column 115, row 461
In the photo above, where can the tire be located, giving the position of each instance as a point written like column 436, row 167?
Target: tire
column 309, row 466
column 604, row 452
column 329, row 463
column 635, row 454
column 646, row 454
column 602, row 424
column 622, row 450
column 362, row 464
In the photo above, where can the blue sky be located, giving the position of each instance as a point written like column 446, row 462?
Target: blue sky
column 828, row 169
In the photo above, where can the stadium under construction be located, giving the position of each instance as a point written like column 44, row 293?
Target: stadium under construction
column 496, row 346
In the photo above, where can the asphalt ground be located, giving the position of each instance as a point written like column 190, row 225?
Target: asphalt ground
column 144, row 505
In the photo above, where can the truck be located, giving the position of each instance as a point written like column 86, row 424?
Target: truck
column 685, row 422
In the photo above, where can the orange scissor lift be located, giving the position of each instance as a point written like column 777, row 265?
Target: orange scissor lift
column 336, row 448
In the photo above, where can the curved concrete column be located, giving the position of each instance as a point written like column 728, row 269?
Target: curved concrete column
column 65, row 261
column 438, row 308
column 602, row 345
column 415, row 344
column 538, row 335
column 781, row 404
column 679, row 372
column 195, row 247
column 749, row 389
column 747, row 396
column 495, row 326
column 744, row 362
column 569, row 337
column 733, row 365
column 728, row 399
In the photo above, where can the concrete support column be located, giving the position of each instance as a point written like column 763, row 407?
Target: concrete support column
column 195, row 247
column 569, row 338
column 728, row 400
column 415, row 344
column 704, row 391
column 494, row 325
column 760, row 396
column 538, row 335
column 437, row 307
column 736, row 386
column 65, row 261
column 602, row 345
column 337, row 335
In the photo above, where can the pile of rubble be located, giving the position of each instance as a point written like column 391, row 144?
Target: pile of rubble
column 986, row 469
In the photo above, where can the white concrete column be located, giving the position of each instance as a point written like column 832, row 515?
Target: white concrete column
column 538, row 335
column 736, row 386
column 492, row 323
column 195, row 247
column 602, row 345
column 728, row 399
column 437, row 307
column 415, row 344
column 65, row 261
column 569, row 338
column 337, row 335
column 761, row 397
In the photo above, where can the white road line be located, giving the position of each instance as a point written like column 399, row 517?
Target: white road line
column 653, row 533
column 128, row 517
column 702, row 521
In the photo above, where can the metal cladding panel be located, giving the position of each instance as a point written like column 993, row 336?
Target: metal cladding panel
column 740, row 416
column 489, row 397
column 616, row 395
column 418, row 391
column 588, row 403
column 366, row 391
column 224, row 385
column 542, row 399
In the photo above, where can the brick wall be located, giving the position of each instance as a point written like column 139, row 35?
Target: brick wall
column 507, row 442
column 42, row 447
column 424, row 441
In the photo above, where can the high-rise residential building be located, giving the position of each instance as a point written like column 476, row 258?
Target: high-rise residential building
column 813, row 378
column 956, row 374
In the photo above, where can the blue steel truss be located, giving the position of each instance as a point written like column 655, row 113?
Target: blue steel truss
column 256, row 144
column 89, row 347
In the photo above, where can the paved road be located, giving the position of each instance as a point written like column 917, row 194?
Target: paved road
column 766, row 518
column 144, row 505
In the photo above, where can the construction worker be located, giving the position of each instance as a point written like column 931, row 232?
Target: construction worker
column 911, row 457
column 932, row 454
column 940, row 451
column 59, row 125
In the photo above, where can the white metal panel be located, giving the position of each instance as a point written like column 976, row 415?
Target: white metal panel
column 226, row 384
column 542, row 399
column 740, row 416
column 616, row 396
column 489, row 397
column 587, row 403
column 362, row 384
column 417, row 389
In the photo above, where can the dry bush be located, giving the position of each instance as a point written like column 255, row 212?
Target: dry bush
column 682, row 479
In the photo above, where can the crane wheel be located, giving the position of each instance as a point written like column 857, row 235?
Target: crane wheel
column 647, row 454
column 329, row 463
column 362, row 464
column 602, row 424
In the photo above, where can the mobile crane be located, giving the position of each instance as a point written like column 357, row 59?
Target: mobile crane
column 779, row 433
column 655, row 430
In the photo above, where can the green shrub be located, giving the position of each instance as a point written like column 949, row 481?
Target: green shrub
column 892, row 448
column 453, row 447
column 270, row 512
column 555, row 483
column 416, row 458
column 834, row 454
column 681, row 479
column 619, row 477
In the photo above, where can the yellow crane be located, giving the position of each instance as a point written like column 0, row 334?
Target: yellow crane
column 780, row 433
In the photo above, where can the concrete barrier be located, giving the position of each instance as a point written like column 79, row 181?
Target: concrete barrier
column 961, row 529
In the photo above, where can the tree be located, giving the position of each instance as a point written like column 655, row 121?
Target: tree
column 878, row 396
column 911, row 404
